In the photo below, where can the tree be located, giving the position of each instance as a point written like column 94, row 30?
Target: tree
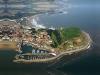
column 54, row 39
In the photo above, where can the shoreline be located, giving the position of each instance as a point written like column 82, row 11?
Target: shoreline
column 59, row 56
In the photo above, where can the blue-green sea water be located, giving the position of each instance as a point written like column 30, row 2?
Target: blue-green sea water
column 84, row 14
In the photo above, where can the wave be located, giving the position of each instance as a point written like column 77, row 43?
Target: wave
column 36, row 24
column 62, row 8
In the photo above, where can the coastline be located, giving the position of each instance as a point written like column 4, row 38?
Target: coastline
column 59, row 56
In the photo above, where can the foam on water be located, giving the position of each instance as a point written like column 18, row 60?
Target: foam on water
column 36, row 24
column 62, row 8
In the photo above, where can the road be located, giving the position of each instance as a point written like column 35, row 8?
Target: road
column 87, row 46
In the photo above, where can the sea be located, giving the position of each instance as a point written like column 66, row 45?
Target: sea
column 84, row 14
